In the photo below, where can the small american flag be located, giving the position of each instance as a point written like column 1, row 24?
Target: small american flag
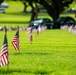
column 30, row 38
column 4, row 53
column 37, row 31
column 15, row 41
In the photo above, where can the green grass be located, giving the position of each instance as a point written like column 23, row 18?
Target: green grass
column 53, row 52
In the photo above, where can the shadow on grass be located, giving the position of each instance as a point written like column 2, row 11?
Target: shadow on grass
column 38, row 53
column 3, row 72
column 43, row 72
column 18, row 13
column 14, row 22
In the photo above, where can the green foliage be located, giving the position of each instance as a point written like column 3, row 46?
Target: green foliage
column 1, row 1
column 53, row 52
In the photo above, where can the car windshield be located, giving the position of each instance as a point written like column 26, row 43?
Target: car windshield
column 60, row 19
column 38, row 21
column 47, row 20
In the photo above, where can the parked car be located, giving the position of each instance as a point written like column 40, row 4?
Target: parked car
column 64, row 21
column 72, row 10
column 42, row 22
column 69, row 21
column 2, row 10
column 2, row 7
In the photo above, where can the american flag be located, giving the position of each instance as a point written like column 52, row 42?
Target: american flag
column 30, row 38
column 4, row 53
column 15, row 41
column 37, row 31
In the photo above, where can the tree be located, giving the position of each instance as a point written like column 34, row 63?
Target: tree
column 34, row 11
column 30, row 3
column 25, row 6
column 54, row 7
column 26, row 3
column 1, row 1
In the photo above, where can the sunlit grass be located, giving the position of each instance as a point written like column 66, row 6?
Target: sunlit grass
column 53, row 52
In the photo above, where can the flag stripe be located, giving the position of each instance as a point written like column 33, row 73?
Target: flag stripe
column 15, row 46
column 30, row 38
column 4, row 59
column 4, row 53
column 15, row 41
column 3, row 49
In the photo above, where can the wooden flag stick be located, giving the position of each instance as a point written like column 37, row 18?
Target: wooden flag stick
column 7, row 71
column 5, row 29
column 19, row 46
column 7, row 68
column 30, row 38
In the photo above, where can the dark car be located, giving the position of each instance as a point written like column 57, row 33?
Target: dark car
column 42, row 22
column 64, row 21
column 72, row 10
column 69, row 21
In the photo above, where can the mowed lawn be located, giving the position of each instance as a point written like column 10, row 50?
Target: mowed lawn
column 53, row 52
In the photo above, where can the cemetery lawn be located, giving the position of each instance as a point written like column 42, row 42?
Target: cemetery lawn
column 53, row 52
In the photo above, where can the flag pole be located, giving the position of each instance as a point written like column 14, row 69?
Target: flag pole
column 5, row 32
column 7, row 68
column 18, row 37
column 31, row 38
column 8, row 64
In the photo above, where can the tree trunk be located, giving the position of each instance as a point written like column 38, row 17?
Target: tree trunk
column 25, row 7
column 32, row 16
column 53, row 13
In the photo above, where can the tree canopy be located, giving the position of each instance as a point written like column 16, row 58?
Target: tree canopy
column 54, row 7
column 1, row 1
